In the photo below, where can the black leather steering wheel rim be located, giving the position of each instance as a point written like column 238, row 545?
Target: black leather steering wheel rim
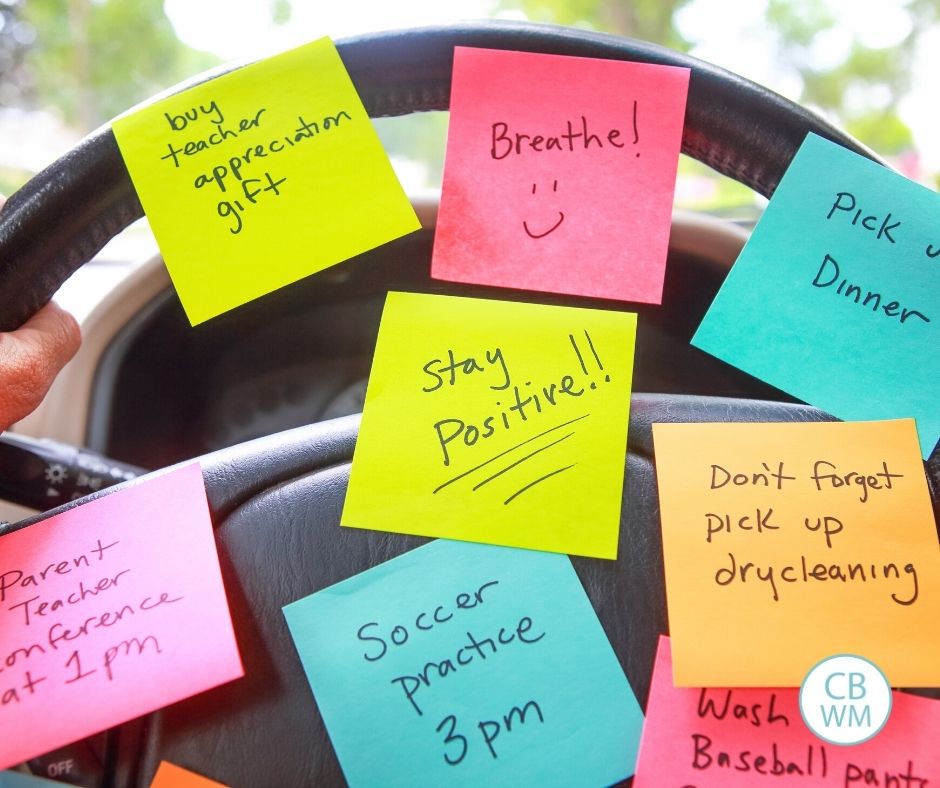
column 276, row 501
column 65, row 214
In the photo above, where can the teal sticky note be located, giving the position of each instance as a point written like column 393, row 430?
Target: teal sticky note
column 836, row 296
column 12, row 779
column 465, row 664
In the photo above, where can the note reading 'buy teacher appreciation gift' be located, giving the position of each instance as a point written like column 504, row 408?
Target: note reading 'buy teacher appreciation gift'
column 260, row 177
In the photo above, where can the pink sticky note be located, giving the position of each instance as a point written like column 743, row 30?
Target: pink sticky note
column 109, row 611
column 715, row 737
column 560, row 174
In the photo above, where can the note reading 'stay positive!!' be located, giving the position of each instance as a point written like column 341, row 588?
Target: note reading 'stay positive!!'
column 109, row 611
column 739, row 738
column 495, row 421
column 785, row 544
column 464, row 665
column 260, row 177
column 836, row 297
column 560, row 173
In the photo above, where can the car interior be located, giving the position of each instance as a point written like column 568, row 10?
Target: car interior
column 267, row 396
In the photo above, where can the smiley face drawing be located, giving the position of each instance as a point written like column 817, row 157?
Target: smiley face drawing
column 555, row 226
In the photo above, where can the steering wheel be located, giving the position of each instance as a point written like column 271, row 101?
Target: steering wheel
column 276, row 501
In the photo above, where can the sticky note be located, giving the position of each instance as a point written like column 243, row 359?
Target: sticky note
column 836, row 297
column 559, row 173
column 495, row 422
column 170, row 775
column 12, row 779
column 785, row 544
column 464, row 665
column 725, row 738
column 260, row 177
column 109, row 611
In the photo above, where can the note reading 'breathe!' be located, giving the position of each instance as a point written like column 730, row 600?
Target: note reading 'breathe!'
column 836, row 297
column 788, row 543
column 748, row 738
column 465, row 665
column 260, row 177
column 109, row 611
column 498, row 422
column 560, row 173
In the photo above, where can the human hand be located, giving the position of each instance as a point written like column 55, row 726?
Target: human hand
column 31, row 357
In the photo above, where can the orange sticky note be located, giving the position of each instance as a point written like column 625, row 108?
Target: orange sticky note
column 109, row 611
column 785, row 544
column 172, row 776
column 560, row 173
column 739, row 738
column 262, row 176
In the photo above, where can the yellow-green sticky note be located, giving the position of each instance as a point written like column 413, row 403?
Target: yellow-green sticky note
column 260, row 177
column 496, row 421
